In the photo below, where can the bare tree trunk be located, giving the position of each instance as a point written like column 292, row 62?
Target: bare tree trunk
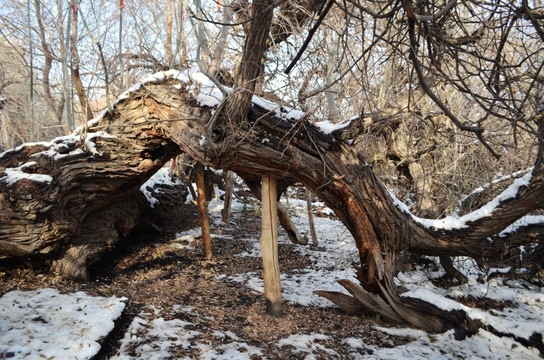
column 283, row 215
column 55, row 109
column 426, row 206
column 31, row 63
column 331, row 65
column 219, row 49
column 250, row 66
column 168, row 44
column 227, row 204
column 64, row 44
column 183, row 43
column 80, row 89
column 120, row 46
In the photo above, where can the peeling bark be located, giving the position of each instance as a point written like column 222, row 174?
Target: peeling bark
column 44, row 219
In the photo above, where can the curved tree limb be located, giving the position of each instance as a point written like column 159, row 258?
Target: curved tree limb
column 65, row 186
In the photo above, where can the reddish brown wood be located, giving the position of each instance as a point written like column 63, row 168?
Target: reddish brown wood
column 203, row 211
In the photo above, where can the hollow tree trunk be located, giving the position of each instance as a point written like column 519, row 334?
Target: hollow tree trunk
column 67, row 181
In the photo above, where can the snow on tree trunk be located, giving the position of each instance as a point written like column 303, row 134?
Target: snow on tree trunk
column 48, row 191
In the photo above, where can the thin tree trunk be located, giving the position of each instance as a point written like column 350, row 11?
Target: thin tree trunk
column 203, row 211
column 250, row 66
column 54, row 109
column 182, row 37
column 330, row 92
column 120, row 45
column 219, row 48
column 31, row 63
column 64, row 42
column 168, row 44
column 283, row 215
column 269, row 247
column 80, row 89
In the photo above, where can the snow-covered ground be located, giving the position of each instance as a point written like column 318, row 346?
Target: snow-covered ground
column 46, row 324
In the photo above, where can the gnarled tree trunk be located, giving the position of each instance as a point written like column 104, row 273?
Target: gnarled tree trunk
column 69, row 181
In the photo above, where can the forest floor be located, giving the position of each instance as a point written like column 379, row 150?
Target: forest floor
column 180, row 306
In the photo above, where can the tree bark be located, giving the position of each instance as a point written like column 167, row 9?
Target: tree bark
column 66, row 182
column 228, row 178
column 168, row 43
column 55, row 109
column 250, row 66
column 283, row 215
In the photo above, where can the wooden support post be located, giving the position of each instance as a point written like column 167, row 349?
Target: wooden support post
column 311, row 216
column 202, row 204
column 269, row 247
column 229, row 188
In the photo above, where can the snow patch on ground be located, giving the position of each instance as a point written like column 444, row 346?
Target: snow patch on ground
column 182, row 333
column 47, row 324
column 307, row 343
column 153, row 338
column 483, row 345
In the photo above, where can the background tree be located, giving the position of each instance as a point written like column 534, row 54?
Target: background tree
column 421, row 82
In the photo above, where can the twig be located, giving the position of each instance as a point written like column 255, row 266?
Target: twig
column 309, row 37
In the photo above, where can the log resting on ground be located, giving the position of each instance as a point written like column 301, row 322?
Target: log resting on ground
column 43, row 219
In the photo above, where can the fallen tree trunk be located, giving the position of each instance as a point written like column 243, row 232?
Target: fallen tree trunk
column 67, row 183
column 54, row 196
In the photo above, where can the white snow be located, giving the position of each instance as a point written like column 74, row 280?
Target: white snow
column 459, row 222
column 160, row 177
column 152, row 336
column 55, row 149
column 15, row 174
column 306, row 343
column 71, row 331
column 47, row 324
column 524, row 221
column 483, row 345
column 327, row 127
column 20, row 147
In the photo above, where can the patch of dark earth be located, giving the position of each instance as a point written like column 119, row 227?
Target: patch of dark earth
column 152, row 270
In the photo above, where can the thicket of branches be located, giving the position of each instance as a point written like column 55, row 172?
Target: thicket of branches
column 446, row 93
